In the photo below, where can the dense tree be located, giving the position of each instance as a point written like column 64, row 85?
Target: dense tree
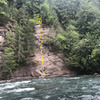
column 25, row 43
column 9, row 58
column 3, row 13
column 19, row 44
column 81, row 17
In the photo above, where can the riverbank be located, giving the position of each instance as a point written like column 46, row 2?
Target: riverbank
column 14, row 79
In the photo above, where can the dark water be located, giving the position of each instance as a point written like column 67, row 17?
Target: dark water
column 60, row 88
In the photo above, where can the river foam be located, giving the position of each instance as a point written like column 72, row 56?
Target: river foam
column 27, row 98
column 21, row 90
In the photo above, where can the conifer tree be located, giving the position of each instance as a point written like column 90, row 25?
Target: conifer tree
column 9, row 57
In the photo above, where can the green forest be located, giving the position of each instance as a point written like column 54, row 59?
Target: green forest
column 79, row 40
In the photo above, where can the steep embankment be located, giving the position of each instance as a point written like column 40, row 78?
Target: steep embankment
column 53, row 60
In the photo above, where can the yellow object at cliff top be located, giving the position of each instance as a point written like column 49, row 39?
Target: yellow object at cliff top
column 39, row 21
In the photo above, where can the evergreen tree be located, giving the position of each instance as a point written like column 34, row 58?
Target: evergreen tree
column 3, row 14
column 9, row 57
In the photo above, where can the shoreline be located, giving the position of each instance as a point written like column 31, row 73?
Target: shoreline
column 14, row 79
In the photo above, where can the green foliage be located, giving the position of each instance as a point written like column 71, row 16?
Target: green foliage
column 3, row 15
column 46, row 14
column 33, row 6
column 32, row 21
column 66, row 11
column 9, row 59
column 80, row 39
column 3, row 2
column 19, row 44
column 67, row 42
column 24, row 44
column 3, row 18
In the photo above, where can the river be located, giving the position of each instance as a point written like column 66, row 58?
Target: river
column 59, row 88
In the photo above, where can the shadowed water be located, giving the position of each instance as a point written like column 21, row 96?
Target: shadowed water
column 60, row 88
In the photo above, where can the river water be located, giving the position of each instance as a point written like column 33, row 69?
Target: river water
column 60, row 88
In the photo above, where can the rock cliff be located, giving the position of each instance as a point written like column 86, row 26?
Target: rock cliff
column 53, row 60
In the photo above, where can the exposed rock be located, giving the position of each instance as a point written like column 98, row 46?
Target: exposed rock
column 54, row 64
column 34, row 73
column 1, row 40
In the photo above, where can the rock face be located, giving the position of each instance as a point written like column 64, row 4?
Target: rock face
column 54, row 64
column 53, row 60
